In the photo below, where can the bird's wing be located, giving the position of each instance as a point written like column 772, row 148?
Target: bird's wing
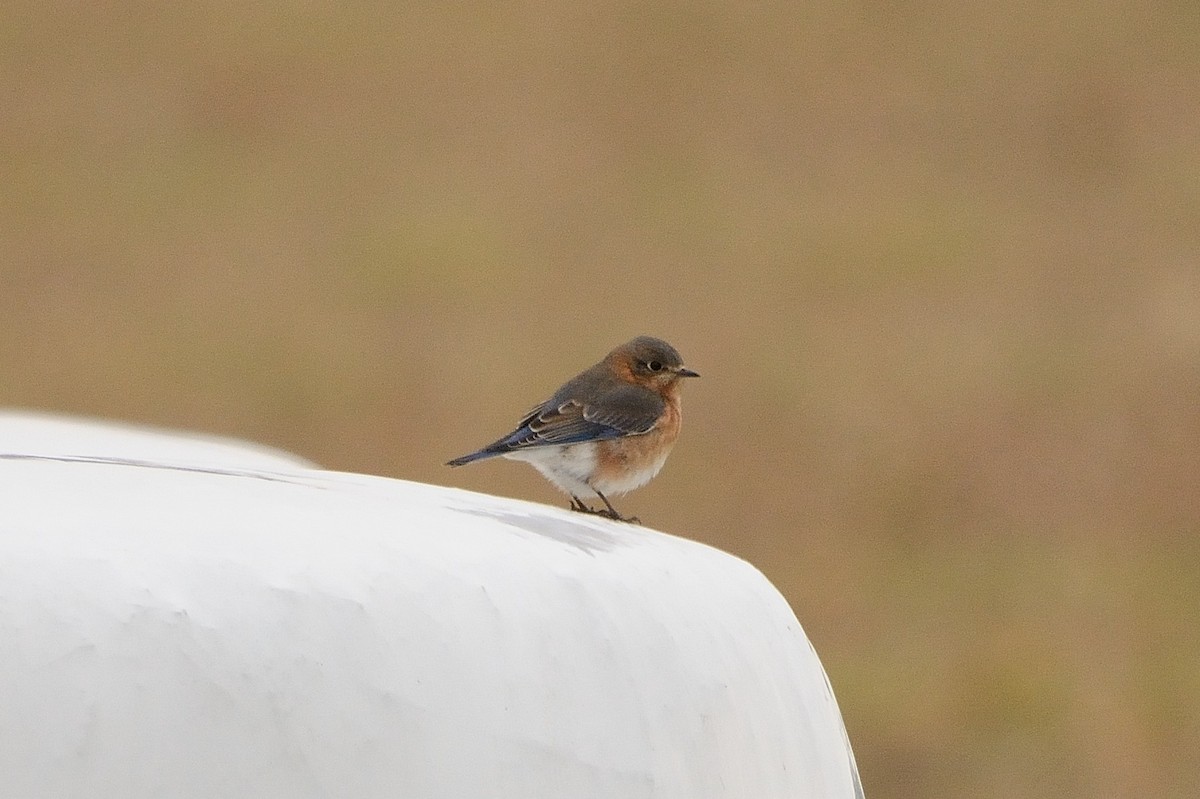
column 631, row 409
column 590, row 407
column 623, row 411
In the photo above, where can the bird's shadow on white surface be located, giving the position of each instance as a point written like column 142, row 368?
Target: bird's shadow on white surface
column 589, row 538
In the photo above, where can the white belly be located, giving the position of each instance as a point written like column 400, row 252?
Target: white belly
column 615, row 485
column 569, row 466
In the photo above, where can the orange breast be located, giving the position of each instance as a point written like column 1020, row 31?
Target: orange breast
column 624, row 464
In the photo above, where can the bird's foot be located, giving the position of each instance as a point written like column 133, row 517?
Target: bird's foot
column 612, row 514
column 579, row 506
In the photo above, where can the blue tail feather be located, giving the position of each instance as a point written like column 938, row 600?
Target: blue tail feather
column 474, row 456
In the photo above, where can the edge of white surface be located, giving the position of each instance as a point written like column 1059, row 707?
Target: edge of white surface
column 25, row 432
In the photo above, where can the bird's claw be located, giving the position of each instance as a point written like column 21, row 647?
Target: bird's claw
column 579, row 506
column 616, row 517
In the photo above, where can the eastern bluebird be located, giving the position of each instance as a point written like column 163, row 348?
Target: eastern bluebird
column 608, row 430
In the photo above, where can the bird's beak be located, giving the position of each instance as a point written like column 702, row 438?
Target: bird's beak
column 687, row 373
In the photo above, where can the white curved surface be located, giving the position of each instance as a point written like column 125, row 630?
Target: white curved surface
column 289, row 632
column 34, row 433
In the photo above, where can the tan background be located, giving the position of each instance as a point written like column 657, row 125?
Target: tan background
column 937, row 263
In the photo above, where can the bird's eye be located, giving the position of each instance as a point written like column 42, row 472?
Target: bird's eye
column 654, row 366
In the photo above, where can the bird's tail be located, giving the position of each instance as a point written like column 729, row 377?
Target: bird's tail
column 474, row 456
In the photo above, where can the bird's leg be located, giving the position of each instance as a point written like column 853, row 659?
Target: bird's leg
column 612, row 512
column 578, row 506
column 608, row 512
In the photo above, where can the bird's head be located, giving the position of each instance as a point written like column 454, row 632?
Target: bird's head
column 649, row 362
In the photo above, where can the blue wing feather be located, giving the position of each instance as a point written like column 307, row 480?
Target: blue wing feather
column 615, row 412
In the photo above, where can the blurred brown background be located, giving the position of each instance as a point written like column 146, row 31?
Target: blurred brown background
column 937, row 263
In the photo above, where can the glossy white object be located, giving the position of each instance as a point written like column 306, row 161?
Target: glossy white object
column 35, row 433
column 171, row 626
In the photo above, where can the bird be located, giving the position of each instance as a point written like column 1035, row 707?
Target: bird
column 606, row 431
